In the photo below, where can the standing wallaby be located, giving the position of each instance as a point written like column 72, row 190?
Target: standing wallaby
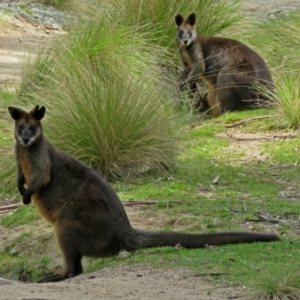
column 231, row 70
column 87, row 215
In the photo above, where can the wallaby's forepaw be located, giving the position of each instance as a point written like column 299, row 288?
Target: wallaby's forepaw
column 26, row 199
column 22, row 190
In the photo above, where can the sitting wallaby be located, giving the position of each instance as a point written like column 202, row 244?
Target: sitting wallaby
column 231, row 70
column 87, row 215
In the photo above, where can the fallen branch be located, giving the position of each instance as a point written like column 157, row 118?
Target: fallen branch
column 11, row 206
column 128, row 203
column 268, row 138
column 265, row 217
column 248, row 121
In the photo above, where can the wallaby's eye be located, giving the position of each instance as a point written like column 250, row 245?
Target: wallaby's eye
column 20, row 129
column 180, row 34
column 31, row 128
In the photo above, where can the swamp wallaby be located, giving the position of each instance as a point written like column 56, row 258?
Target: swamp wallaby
column 231, row 70
column 87, row 215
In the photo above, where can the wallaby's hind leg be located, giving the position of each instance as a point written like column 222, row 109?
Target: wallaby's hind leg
column 72, row 268
column 213, row 101
column 234, row 87
column 238, row 98
column 71, row 255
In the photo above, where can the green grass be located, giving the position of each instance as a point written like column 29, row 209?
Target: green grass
column 18, row 268
column 24, row 215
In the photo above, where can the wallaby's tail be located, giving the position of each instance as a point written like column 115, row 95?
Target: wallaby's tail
column 144, row 239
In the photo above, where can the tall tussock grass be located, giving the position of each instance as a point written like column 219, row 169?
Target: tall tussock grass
column 279, row 41
column 156, row 17
column 287, row 97
column 109, row 100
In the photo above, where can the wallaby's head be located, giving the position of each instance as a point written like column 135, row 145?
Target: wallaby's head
column 186, row 32
column 28, row 128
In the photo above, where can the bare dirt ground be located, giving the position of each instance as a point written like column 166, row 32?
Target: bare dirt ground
column 126, row 282
column 17, row 39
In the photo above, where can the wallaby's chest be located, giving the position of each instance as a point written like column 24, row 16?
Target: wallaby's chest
column 186, row 58
column 193, row 56
column 26, row 166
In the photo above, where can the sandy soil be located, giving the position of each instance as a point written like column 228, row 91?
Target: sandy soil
column 127, row 282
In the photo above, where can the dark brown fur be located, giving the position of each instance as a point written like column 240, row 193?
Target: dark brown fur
column 87, row 215
column 230, row 69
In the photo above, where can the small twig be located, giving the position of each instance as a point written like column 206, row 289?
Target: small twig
column 51, row 27
column 151, row 202
column 206, row 274
column 139, row 202
column 248, row 121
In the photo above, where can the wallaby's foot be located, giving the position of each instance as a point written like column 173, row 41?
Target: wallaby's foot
column 54, row 278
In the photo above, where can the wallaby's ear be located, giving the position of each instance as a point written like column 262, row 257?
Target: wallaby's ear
column 15, row 113
column 38, row 113
column 178, row 19
column 191, row 19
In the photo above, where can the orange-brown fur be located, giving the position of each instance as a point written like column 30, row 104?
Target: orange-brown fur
column 229, row 68
column 88, row 217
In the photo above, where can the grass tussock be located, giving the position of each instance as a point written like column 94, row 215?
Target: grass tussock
column 278, row 42
column 156, row 17
column 108, row 99
column 277, row 286
column 288, row 98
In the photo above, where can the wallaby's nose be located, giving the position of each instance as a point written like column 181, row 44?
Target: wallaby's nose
column 185, row 42
column 25, row 141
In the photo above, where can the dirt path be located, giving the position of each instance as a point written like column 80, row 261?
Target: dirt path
column 17, row 39
column 138, row 282
column 127, row 282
